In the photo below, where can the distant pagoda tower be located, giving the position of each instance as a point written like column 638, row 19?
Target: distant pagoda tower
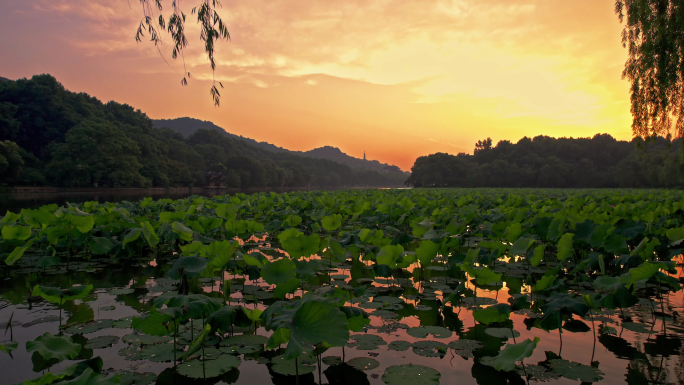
column 364, row 154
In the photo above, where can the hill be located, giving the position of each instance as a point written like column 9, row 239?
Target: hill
column 52, row 136
column 188, row 126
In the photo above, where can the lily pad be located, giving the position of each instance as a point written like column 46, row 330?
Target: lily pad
column 385, row 314
column 245, row 343
column 288, row 368
column 410, row 374
column 366, row 342
column 107, row 308
column 90, row 327
column 145, row 339
column 50, row 318
column 363, row 363
column 425, row 331
column 504, row 333
column 399, row 346
column 332, row 360
column 465, row 348
column 638, row 327
column 160, row 353
column 576, row 371
column 123, row 323
column 429, row 348
column 133, row 378
column 122, row 292
column 209, row 369
column 101, row 342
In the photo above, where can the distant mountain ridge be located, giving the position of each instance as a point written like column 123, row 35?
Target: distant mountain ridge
column 187, row 126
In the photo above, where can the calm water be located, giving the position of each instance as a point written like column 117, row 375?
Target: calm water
column 647, row 355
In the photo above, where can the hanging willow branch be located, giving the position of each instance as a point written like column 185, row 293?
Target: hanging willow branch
column 654, row 37
column 213, row 29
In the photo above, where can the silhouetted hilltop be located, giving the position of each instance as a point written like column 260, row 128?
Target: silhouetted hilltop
column 187, row 126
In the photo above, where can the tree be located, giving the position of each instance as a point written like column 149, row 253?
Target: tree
column 213, row 29
column 654, row 37
column 483, row 145
column 96, row 152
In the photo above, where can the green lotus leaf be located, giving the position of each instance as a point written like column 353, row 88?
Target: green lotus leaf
column 399, row 345
column 149, row 234
column 503, row 333
column 183, row 232
column 197, row 343
column 202, row 308
column 192, row 267
column 82, row 221
column 89, row 327
column 538, row 255
column 16, row 254
column 55, row 295
column 482, row 276
column 131, row 236
column 495, row 313
column 135, row 378
column 54, row 347
column 363, row 363
column 366, row 342
column 223, row 318
column 89, row 377
column 19, row 232
column 425, row 331
column 209, row 369
column 156, row 323
column 429, row 348
column 410, row 374
column 283, row 288
column 99, row 245
column 465, row 348
column 279, row 271
column 332, row 360
column 7, row 347
column 101, row 342
column 426, row 252
column 145, row 339
column 288, row 367
column 565, row 249
column 332, row 223
column 301, row 246
column 575, row 370
column 513, row 353
column 520, row 246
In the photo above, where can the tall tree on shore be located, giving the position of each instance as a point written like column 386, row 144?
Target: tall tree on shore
column 654, row 37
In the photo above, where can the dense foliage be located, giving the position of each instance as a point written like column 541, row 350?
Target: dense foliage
column 655, row 65
column 601, row 161
column 49, row 135
column 320, row 271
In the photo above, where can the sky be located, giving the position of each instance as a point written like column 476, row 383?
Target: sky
column 397, row 79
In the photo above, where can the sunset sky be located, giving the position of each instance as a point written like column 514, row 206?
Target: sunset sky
column 398, row 79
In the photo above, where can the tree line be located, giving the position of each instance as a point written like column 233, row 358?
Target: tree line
column 51, row 136
column 542, row 161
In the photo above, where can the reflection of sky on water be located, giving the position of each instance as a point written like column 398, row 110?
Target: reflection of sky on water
column 576, row 347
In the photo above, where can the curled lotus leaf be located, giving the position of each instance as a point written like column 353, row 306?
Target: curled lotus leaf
column 54, row 347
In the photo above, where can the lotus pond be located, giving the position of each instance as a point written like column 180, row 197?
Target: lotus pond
column 417, row 287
